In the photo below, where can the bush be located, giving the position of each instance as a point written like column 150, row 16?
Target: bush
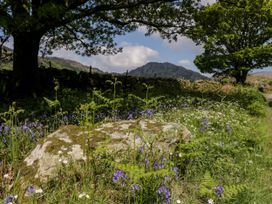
column 248, row 98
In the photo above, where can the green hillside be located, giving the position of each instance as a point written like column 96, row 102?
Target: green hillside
column 58, row 63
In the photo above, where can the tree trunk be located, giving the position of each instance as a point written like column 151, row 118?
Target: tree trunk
column 241, row 76
column 25, row 62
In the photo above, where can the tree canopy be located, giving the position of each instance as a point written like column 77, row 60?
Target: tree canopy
column 236, row 36
column 86, row 26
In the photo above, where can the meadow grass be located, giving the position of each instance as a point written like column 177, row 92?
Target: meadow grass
column 228, row 159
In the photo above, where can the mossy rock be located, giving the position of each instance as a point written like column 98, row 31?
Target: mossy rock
column 69, row 143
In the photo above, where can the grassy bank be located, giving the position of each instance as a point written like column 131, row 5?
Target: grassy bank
column 228, row 159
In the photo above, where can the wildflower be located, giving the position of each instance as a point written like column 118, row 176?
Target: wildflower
column 82, row 195
column 25, row 127
column 210, row 201
column 136, row 188
column 31, row 189
column 119, row 175
column 142, row 149
column 175, row 170
column 146, row 162
column 166, row 192
column 39, row 190
column 180, row 155
column 10, row 199
column 157, row 165
column 204, row 125
column 130, row 116
column 178, row 201
column 219, row 190
column 65, row 161
column 147, row 113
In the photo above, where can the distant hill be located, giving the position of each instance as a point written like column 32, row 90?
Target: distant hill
column 61, row 63
column 263, row 74
column 165, row 70
column 58, row 63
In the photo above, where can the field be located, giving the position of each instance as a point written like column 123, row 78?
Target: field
column 226, row 160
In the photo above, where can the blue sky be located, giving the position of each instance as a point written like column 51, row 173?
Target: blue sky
column 138, row 50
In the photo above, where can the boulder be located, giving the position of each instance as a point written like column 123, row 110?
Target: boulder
column 69, row 143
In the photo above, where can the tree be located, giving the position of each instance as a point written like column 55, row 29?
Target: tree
column 236, row 36
column 5, row 54
column 86, row 26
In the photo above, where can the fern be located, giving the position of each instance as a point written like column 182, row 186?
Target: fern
column 136, row 173
column 232, row 191
column 206, row 186
column 53, row 104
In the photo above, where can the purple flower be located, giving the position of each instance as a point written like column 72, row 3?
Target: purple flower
column 130, row 115
column 175, row 170
column 147, row 113
column 25, row 127
column 31, row 189
column 164, row 191
column 135, row 188
column 219, row 190
column 65, row 119
column 142, row 149
column 204, row 124
column 6, row 129
column 146, row 162
column 119, row 175
column 9, row 199
column 157, row 165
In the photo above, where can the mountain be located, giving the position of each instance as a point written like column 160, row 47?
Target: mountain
column 61, row 63
column 56, row 62
column 267, row 74
column 165, row 70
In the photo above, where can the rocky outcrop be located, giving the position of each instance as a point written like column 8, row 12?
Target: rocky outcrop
column 69, row 144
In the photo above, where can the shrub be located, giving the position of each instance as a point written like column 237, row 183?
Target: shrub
column 248, row 98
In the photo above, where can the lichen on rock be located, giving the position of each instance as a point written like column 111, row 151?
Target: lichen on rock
column 69, row 144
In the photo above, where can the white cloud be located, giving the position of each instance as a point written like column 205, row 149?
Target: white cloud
column 70, row 55
column 185, row 45
column 131, row 57
column 185, row 62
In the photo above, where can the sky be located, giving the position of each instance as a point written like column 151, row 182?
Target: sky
column 139, row 49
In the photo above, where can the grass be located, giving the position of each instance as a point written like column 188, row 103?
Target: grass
column 228, row 159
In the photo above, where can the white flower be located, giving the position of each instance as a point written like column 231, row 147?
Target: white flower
column 65, row 162
column 82, row 195
column 178, row 201
column 60, row 152
column 210, row 201
column 180, row 155
column 60, row 160
column 39, row 191
column 6, row 176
